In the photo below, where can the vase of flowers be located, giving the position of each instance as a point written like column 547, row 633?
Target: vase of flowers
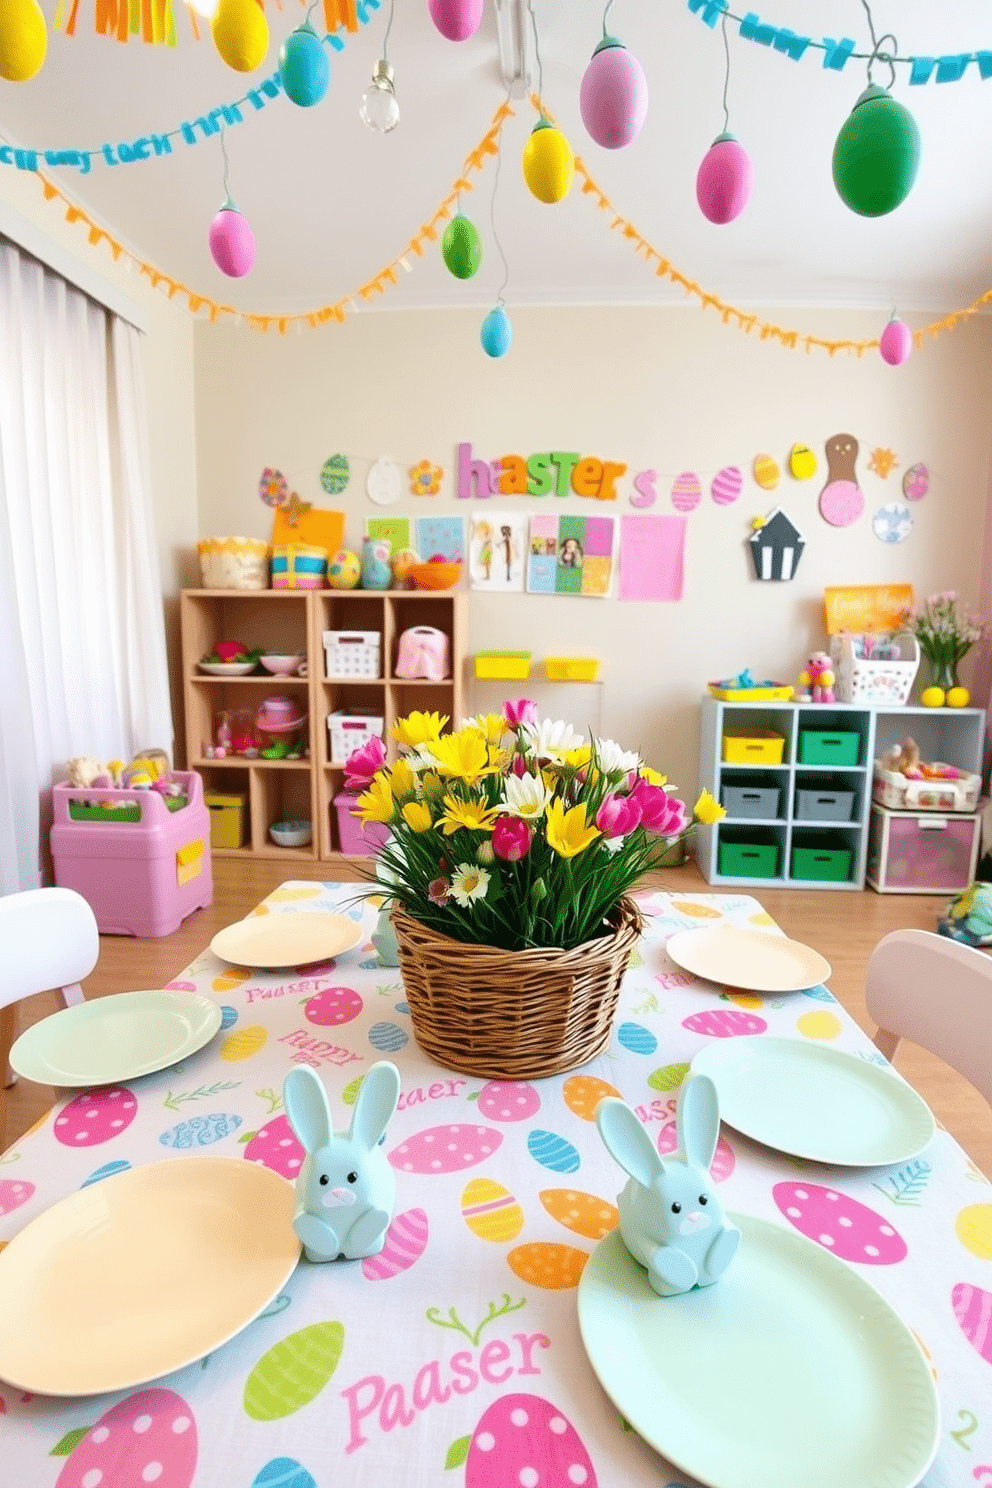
column 945, row 630
column 513, row 847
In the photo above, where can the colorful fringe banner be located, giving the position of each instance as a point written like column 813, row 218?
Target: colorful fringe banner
column 154, row 20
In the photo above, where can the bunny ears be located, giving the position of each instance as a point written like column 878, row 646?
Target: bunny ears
column 309, row 1111
column 697, row 1121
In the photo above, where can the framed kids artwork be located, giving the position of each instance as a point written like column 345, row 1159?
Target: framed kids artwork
column 497, row 551
column 570, row 555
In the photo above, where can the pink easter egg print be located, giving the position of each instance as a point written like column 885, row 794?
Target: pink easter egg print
column 406, row 1241
column 275, row 1146
column 95, row 1117
column 523, row 1441
column 13, row 1193
column 180, row 986
column 723, row 1162
column 839, row 1223
column 724, row 1023
column 727, row 485
column 333, row 1006
column 841, row 503
column 508, row 1100
column 916, row 482
column 687, row 492
column 445, row 1149
column 147, row 1438
column 973, row 1310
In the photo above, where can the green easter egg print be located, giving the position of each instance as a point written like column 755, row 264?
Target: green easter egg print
column 293, row 1372
column 334, row 474
column 669, row 1077
column 350, row 1092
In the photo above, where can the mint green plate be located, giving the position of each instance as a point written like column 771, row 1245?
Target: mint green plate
column 789, row 1370
column 115, row 1038
column 816, row 1102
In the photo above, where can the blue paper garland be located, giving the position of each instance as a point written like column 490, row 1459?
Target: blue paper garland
column 153, row 146
column 947, row 69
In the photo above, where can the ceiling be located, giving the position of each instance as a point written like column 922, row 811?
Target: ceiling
column 332, row 203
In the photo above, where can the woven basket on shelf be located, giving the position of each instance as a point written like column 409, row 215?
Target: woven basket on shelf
column 513, row 1015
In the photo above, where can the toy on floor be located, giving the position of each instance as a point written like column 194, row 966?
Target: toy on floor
column 816, row 681
column 968, row 917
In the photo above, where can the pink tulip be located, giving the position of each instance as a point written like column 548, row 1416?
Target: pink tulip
column 519, row 766
column 511, row 838
column 660, row 813
column 364, row 763
column 521, row 711
column 618, row 815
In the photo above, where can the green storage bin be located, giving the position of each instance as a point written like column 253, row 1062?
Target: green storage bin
column 826, row 861
column 743, row 857
column 834, row 748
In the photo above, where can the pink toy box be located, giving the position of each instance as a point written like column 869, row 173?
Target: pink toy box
column 357, row 837
column 139, row 877
column 423, row 652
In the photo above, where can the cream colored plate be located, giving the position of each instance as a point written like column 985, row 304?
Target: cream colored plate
column 756, row 960
column 142, row 1274
column 285, row 939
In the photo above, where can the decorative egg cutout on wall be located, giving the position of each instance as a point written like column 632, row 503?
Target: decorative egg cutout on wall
column 461, row 247
column 241, row 34
column 613, row 97
column 727, row 484
column 687, row 491
column 232, row 242
column 916, row 483
column 765, row 472
column 496, row 333
column 895, row 342
column 802, row 462
column 304, row 70
column 23, row 40
column 548, row 163
column 724, row 180
column 876, row 154
column 456, row 19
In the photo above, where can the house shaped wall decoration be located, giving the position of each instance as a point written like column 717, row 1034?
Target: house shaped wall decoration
column 776, row 547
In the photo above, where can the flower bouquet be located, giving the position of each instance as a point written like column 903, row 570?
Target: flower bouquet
column 513, row 846
column 945, row 631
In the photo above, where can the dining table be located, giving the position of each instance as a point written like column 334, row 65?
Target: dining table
column 457, row 1354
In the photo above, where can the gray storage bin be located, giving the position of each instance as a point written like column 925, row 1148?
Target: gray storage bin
column 824, row 805
column 750, row 800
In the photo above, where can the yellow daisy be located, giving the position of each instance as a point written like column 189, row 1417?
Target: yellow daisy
column 475, row 816
column 418, row 728
column 707, row 809
column 463, row 755
column 376, row 804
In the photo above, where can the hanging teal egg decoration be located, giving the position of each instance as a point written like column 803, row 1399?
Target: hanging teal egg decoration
column 496, row 333
column 304, row 70
column 461, row 247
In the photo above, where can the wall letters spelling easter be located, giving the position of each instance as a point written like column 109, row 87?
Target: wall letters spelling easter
column 561, row 472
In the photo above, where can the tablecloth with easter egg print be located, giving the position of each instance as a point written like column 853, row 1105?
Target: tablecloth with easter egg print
column 454, row 1356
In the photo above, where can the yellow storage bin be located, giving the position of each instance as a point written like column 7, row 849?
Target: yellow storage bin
column 571, row 668
column 228, row 810
column 744, row 746
column 503, row 665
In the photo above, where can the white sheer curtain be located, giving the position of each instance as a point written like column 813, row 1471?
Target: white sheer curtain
column 83, row 666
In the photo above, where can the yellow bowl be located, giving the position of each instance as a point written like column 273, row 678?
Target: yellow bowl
column 435, row 575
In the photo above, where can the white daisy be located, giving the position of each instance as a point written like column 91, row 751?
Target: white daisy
column 550, row 739
column 613, row 760
column 468, row 883
column 526, row 796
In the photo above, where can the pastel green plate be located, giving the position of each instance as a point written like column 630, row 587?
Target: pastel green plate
column 816, row 1102
column 115, row 1038
column 789, row 1370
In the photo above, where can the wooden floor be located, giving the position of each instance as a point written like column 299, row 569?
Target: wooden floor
column 844, row 927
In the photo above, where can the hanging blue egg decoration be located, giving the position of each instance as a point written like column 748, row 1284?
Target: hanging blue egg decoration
column 496, row 333
column 304, row 70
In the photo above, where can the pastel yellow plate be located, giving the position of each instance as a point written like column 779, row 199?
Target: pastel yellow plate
column 285, row 939
column 756, row 960
column 142, row 1274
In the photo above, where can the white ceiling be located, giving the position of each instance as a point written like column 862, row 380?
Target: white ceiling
column 331, row 203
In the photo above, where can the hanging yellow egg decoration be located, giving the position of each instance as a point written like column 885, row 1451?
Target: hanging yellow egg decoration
column 241, row 34
column 802, row 462
column 548, row 163
column 23, row 39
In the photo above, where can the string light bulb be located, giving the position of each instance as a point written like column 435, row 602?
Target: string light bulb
column 379, row 109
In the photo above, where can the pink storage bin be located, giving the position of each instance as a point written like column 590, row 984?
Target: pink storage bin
column 356, row 837
column 140, row 878
column 920, row 852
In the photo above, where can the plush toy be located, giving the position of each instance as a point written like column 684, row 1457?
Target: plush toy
column 904, row 760
column 817, row 680
column 346, row 1188
column 671, row 1219
column 85, row 771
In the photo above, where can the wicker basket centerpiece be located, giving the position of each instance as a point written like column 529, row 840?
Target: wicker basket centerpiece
column 512, row 848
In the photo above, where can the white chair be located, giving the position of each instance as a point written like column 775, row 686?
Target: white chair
column 48, row 941
column 937, row 993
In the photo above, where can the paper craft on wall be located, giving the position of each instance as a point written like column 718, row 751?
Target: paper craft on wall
column 272, row 487
column 425, row 478
column 687, row 491
column 323, row 529
column 916, row 483
column 776, row 546
column 802, row 462
column 893, row 522
column 497, row 552
column 766, row 472
column 383, row 483
column 644, row 493
column 394, row 530
column 440, row 537
column 881, row 461
column 841, row 500
column 652, row 557
column 727, row 485
column 570, row 555
column 334, row 474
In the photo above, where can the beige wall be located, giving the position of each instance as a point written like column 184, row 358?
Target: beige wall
column 670, row 389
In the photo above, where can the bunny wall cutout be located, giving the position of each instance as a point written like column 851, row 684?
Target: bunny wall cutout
column 671, row 1220
column 345, row 1189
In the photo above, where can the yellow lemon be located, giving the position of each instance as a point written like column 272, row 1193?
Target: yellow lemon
column 241, row 34
column 23, row 39
column 932, row 697
column 958, row 697
column 548, row 162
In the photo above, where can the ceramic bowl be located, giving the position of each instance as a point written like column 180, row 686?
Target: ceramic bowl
column 291, row 833
column 280, row 665
column 226, row 668
column 435, row 575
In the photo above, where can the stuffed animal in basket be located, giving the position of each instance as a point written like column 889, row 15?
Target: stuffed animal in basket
column 346, row 1187
column 817, row 680
column 904, row 759
column 671, row 1220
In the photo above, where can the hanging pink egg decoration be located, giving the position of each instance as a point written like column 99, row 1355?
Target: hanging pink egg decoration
column 232, row 242
column 456, row 19
column 613, row 97
column 896, row 342
column 724, row 180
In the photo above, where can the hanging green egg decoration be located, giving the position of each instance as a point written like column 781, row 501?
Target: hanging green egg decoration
column 461, row 247
column 876, row 155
